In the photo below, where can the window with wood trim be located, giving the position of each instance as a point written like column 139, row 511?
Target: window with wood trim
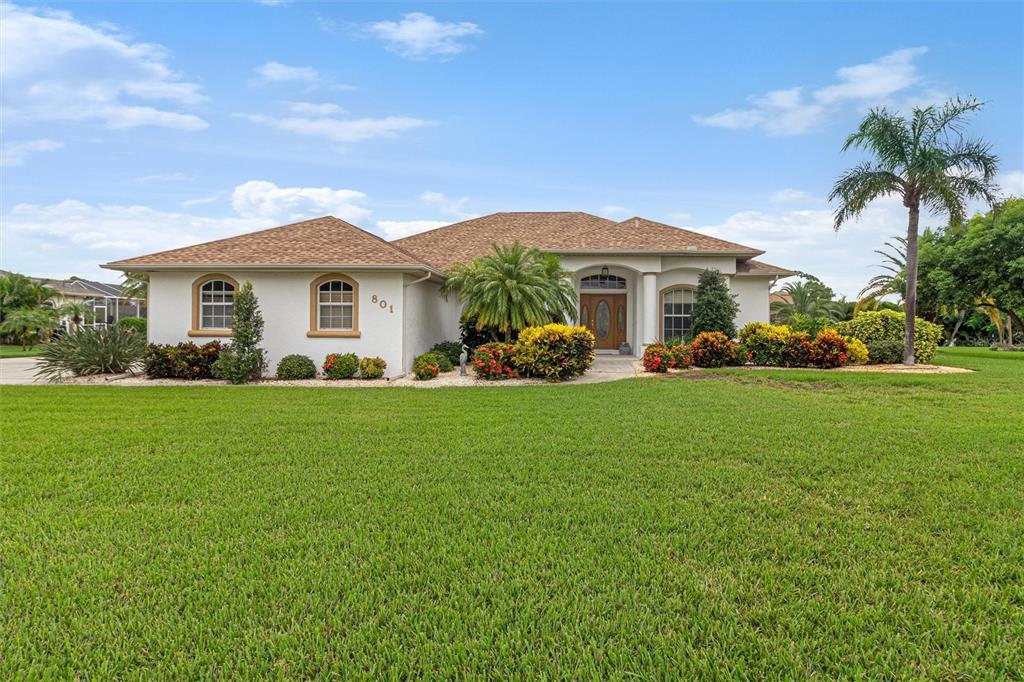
column 334, row 306
column 213, row 305
column 677, row 313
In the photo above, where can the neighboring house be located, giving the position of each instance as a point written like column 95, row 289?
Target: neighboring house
column 327, row 286
column 107, row 301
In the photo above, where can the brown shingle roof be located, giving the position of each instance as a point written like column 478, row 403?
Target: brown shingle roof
column 320, row 241
column 754, row 267
column 560, row 232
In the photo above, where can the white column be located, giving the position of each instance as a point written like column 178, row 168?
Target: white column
column 650, row 317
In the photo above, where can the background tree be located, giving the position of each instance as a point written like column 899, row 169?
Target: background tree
column 77, row 312
column 512, row 288
column 20, row 291
column 926, row 161
column 806, row 298
column 29, row 325
column 714, row 308
column 135, row 285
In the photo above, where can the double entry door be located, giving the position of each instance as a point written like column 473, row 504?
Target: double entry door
column 605, row 316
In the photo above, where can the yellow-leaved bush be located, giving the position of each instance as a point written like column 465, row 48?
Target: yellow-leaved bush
column 554, row 352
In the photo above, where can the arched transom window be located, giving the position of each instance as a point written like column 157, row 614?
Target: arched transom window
column 677, row 313
column 603, row 281
column 334, row 306
column 213, row 304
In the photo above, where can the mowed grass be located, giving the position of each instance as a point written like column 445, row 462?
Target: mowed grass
column 758, row 524
column 18, row 351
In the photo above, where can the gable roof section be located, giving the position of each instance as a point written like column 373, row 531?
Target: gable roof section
column 757, row 268
column 561, row 232
column 326, row 241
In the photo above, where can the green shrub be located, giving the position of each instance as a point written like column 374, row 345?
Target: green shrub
column 341, row 365
column 494, row 361
column 555, row 352
column 714, row 307
column 243, row 360
column 296, row 367
column 829, row 350
column 441, row 360
column 450, row 349
column 372, row 368
column 181, row 361
column 426, row 366
column 1005, row 347
column 88, row 351
column 137, row 324
column 887, row 326
column 714, row 349
column 885, row 352
column 661, row 357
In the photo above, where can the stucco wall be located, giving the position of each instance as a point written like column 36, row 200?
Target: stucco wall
column 752, row 296
column 284, row 301
column 429, row 319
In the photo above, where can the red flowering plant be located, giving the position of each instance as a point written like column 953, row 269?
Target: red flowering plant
column 494, row 361
column 661, row 357
column 341, row 365
column 798, row 350
column 715, row 349
column 426, row 366
column 829, row 350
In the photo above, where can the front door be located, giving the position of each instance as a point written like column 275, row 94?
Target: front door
column 605, row 316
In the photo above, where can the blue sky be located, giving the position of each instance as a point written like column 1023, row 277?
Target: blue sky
column 130, row 128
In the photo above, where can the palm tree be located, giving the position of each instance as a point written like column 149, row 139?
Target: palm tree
column 892, row 281
column 925, row 160
column 135, row 285
column 20, row 291
column 810, row 299
column 77, row 311
column 512, row 288
column 29, row 324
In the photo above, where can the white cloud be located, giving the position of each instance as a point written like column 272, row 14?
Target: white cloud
column 612, row 211
column 396, row 229
column 446, row 206
column 14, row 153
column 341, row 130
column 72, row 237
column 314, row 108
column 200, row 201
column 264, row 200
column 276, row 72
column 419, row 36
column 790, row 112
column 55, row 68
column 786, row 196
column 1011, row 183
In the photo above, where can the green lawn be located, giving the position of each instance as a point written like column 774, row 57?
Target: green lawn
column 753, row 524
column 16, row 351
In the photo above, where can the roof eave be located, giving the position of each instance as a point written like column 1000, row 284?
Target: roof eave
column 170, row 267
column 660, row 252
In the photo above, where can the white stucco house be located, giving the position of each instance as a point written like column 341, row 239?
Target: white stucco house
column 326, row 286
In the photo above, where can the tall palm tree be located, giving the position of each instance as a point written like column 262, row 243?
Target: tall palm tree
column 892, row 281
column 810, row 298
column 512, row 288
column 926, row 161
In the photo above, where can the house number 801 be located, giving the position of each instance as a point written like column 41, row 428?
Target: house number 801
column 382, row 303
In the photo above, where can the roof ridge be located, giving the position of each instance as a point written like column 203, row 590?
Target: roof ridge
column 689, row 231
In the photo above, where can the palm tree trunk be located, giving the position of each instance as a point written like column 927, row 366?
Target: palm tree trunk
column 956, row 327
column 911, row 298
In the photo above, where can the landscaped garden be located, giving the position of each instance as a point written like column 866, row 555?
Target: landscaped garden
column 722, row 523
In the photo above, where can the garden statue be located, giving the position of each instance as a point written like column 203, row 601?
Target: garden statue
column 462, row 360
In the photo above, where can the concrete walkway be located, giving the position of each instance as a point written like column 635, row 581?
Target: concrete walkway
column 610, row 368
column 18, row 371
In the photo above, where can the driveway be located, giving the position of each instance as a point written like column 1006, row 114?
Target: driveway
column 18, row 371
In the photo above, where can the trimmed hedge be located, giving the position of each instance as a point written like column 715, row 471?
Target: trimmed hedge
column 494, row 361
column 880, row 329
column 715, row 349
column 136, row 324
column 555, row 352
column 296, row 367
column 182, row 361
column 661, row 357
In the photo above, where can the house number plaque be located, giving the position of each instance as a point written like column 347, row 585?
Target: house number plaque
column 384, row 305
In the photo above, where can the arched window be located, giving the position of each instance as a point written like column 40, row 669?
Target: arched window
column 213, row 304
column 603, row 281
column 676, row 312
column 334, row 306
